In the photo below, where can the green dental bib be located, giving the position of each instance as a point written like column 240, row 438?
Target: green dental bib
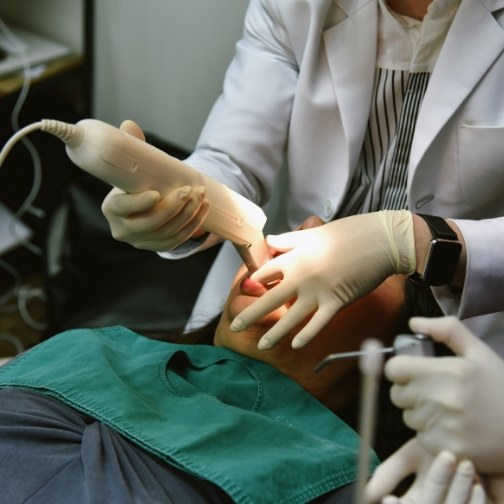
column 209, row 411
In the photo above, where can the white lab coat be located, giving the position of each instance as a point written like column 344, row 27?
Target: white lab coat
column 300, row 86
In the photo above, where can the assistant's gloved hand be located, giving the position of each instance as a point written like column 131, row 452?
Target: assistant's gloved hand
column 147, row 221
column 327, row 268
column 455, row 403
column 439, row 480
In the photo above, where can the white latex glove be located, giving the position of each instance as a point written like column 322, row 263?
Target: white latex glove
column 439, row 480
column 455, row 403
column 327, row 268
column 147, row 221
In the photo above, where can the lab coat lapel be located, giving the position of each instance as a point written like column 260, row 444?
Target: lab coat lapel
column 460, row 66
column 351, row 53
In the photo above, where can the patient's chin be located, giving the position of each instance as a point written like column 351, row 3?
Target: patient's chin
column 244, row 342
column 241, row 341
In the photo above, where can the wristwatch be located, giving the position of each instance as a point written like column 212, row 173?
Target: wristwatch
column 443, row 255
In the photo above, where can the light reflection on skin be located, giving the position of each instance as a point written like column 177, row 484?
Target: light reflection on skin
column 378, row 315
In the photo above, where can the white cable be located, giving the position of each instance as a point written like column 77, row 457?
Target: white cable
column 14, row 45
column 65, row 132
column 17, row 46
column 61, row 130
column 14, row 139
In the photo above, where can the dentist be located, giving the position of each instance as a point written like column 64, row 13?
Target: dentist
column 388, row 117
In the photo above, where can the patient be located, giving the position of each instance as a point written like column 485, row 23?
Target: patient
column 106, row 415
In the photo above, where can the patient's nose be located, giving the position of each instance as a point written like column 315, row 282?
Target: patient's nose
column 250, row 288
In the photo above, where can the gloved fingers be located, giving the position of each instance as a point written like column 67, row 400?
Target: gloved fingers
column 177, row 208
column 268, row 302
column 431, row 439
column 452, row 483
column 392, row 499
column 181, row 211
column 401, row 398
column 439, row 479
column 132, row 128
column 462, row 483
column 422, row 416
column 176, row 231
column 392, row 471
column 449, row 331
column 412, row 395
column 289, row 321
column 478, row 495
column 318, row 321
column 117, row 203
column 166, row 218
column 146, row 223
column 269, row 272
column 287, row 241
column 402, row 369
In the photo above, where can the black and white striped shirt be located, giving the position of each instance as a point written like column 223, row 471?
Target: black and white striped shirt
column 407, row 52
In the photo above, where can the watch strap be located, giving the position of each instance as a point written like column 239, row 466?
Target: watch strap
column 439, row 227
column 441, row 232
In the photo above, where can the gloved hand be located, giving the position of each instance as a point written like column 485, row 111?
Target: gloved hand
column 439, row 480
column 327, row 268
column 455, row 403
column 147, row 221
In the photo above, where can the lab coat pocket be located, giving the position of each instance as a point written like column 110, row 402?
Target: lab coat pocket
column 481, row 161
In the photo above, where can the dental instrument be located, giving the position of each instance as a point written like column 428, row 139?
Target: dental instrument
column 370, row 365
column 132, row 165
column 404, row 344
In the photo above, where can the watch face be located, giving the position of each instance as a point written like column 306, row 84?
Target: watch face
column 441, row 262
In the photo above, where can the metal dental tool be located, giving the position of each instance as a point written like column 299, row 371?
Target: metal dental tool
column 370, row 364
column 419, row 345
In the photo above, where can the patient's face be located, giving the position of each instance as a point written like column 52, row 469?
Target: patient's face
column 377, row 315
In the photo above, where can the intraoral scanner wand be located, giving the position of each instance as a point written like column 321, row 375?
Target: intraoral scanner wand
column 132, row 165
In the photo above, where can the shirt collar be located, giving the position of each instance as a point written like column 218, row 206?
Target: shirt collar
column 406, row 43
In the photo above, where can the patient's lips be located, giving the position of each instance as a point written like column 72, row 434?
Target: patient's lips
column 243, row 295
column 249, row 287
